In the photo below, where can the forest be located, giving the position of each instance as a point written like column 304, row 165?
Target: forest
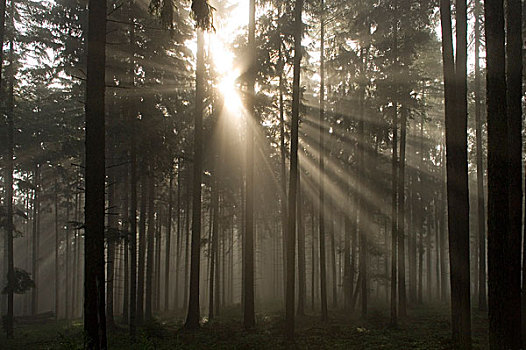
column 270, row 174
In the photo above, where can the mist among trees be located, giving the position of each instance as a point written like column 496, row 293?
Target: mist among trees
column 242, row 174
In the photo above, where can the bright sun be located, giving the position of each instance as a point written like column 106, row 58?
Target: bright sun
column 224, row 64
column 228, row 26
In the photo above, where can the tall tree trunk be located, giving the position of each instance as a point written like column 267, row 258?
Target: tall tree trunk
column 457, row 177
column 333, row 256
column 402, row 303
column 57, row 242
column 132, row 218
column 313, row 256
column 111, row 239
column 302, row 275
column 187, row 246
column 214, row 251
column 428, row 258
column 192, row 318
column 443, row 199
column 347, row 282
column 9, row 172
column 150, row 236
column 293, row 181
column 323, row 270
column 481, row 214
column 514, row 96
column 94, row 279
column 500, row 326
column 141, row 266
column 35, row 239
column 283, row 152
column 179, row 233
column 67, row 257
column 249, row 314
column 126, row 249
column 168, row 243
column 394, row 189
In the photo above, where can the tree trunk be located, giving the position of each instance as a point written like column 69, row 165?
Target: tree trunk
column 514, row 96
column 323, row 270
column 214, row 251
column 457, row 176
column 192, row 318
column 57, row 242
column 500, row 326
column 402, row 303
column 150, row 236
column 142, row 242
column 394, row 195
column 111, row 239
column 249, row 315
column 481, row 214
column 187, row 247
column 333, row 256
column 179, row 233
column 9, row 186
column 302, row 283
column 35, row 239
column 283, row 154
column 293, row 181
column 168, row 244
column 126, row 247
column 94, row 279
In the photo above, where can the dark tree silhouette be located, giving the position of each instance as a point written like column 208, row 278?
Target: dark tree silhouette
column 94, row 278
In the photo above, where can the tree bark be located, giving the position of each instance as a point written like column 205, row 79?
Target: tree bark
column 514, row 95
column 302, row 275
column 192, row 318
column 293, row 173
column 9, row 185
column 457, row 173
column 168, row 244
column 94, row 279
column 323, row 269
column 249, row 318
column 402, row 303
column 142, row 242
column 150, row 254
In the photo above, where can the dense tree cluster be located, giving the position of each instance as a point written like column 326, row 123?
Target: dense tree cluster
column 341, row 165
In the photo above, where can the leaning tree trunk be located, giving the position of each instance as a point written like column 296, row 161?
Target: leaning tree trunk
column 94, row 279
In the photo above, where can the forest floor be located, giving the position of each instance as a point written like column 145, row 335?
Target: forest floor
column 426, row 327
